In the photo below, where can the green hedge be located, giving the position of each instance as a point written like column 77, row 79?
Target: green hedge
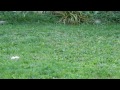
column 66, row 17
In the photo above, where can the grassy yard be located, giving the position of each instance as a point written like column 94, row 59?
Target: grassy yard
column 56, row 51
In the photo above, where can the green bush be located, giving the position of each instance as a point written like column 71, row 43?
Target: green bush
column 27, row 17
column 107, row 16
column 66, row 17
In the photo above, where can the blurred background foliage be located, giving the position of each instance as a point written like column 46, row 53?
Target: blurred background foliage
column 66, row 17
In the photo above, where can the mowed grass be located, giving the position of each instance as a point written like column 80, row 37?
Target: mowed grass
column 56, row 51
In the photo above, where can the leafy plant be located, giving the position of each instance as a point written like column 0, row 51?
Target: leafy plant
column 72, row 17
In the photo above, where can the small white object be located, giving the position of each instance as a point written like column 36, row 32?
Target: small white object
column 2, row 22
column 15, row 57
column 97, row 21
column 96, row 12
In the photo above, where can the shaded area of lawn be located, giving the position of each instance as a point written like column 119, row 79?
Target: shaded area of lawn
column 60, row 51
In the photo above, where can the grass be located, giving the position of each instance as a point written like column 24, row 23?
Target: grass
column 56, row 51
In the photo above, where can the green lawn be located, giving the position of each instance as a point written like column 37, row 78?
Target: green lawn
column 50, row 51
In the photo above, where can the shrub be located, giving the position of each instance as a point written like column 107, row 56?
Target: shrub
column 77, row 17
column 72, row 17
column 66, row 17
column 108, row 16
column 27, row 17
